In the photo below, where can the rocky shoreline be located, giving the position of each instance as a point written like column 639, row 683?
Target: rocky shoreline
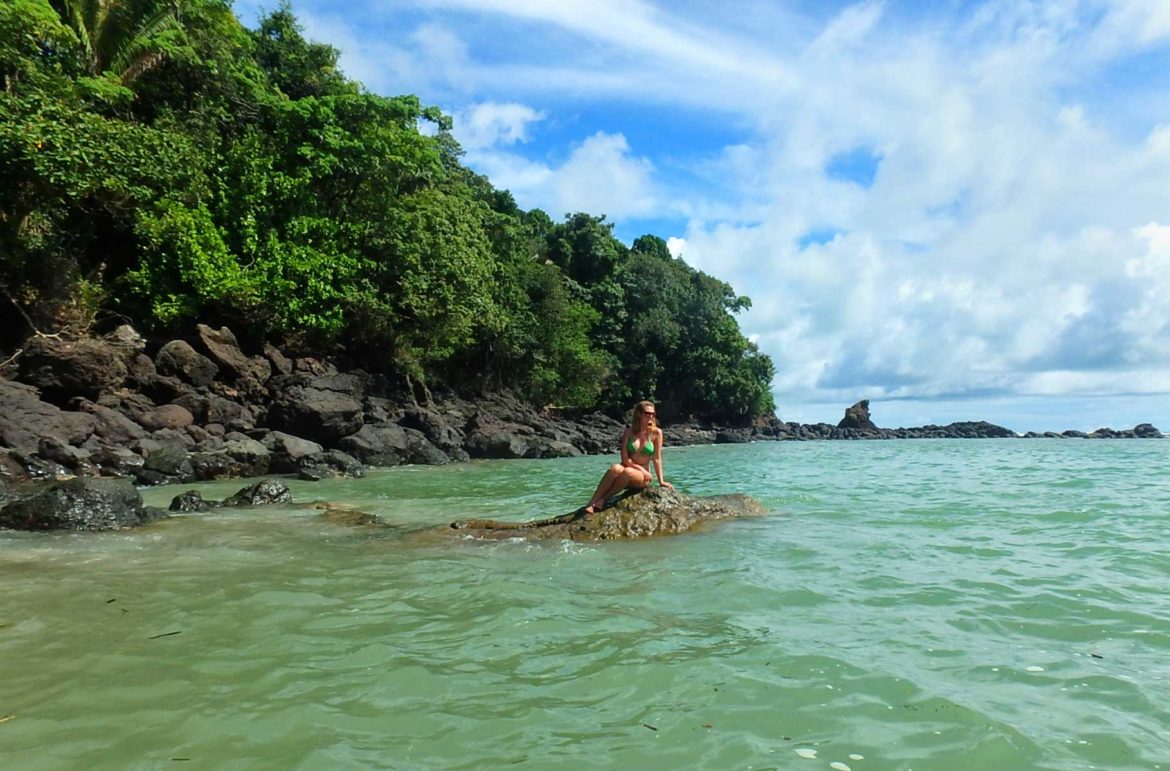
column 202, row 408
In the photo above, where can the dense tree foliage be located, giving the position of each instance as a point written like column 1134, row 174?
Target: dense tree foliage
column 165, row 165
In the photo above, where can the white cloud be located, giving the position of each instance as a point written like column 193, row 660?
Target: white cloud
column 491, row 124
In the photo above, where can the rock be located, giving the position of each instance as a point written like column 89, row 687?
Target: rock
column 170, row 461
column 78, row 504
column 285, row 450
column 178, row 359
column 167, row 416
column 127, row 340
column 733, row 436
column 433, row 426
column 215, row 465
column 656, row 511
column 63, row 369
column 264, row 492
column 1146, row 431
column 249, row 372
column 110, row 424
column 339, row 515
column 119, row 461
column 74, row 458
column 329, row 464
column 252, row 455
column 321, row 408
column 277, row 359
column 25, row 420
column 192, row 501
column 857, row 417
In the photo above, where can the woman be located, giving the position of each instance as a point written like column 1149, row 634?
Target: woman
column 641, row 443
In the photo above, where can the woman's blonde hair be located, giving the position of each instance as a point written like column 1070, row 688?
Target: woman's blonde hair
column 639, row 408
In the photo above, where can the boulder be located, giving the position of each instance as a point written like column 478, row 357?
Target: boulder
column 119, row 461
column 252, row 455
column 1146, row 431
column 79, row 504
column 178, row 359
column 264, row 492
column 857, row 417
column 207, row 465
column 390, row 444
column 25, row 420
column 280, row 363
column 170, row 462
column 110, row 424
column 285, row 450
column 166, row 416
column 249, row 372
column 63, row 369
column 192, row 501
column 321, row 408
column 656, row 511
column 329, row 464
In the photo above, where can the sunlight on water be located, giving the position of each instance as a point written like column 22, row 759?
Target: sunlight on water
column 906, row 605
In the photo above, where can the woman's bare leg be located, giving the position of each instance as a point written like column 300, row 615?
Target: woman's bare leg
column 627, row 477
column 600, row 494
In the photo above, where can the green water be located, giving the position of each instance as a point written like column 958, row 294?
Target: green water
column 906, row 605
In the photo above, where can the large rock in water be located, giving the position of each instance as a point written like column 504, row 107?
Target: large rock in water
column 656, row 511
column 79, row 504
column 857, row 417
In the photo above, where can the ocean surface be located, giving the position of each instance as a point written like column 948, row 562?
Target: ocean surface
column 930, row 604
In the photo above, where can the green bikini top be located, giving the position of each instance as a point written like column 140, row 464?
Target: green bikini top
column 647, row 446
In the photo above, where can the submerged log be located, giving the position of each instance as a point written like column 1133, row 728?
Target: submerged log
column 657, row 511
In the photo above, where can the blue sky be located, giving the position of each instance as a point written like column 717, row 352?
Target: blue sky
column 958, row 210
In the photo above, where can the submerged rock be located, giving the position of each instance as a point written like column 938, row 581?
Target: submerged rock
column 656, row 511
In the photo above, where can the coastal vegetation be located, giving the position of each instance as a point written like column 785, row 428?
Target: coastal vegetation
column 166, row 166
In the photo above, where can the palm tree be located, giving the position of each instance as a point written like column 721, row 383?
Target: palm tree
column 119, row 36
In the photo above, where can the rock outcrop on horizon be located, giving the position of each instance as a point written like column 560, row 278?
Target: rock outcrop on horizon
column 857, row 417
column 652, row 512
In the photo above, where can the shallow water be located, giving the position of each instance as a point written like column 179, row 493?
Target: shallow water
column 906, row 605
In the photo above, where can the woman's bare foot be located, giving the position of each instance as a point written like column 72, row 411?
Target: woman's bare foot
column 591, row 508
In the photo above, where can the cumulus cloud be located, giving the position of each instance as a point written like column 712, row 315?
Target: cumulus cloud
column 491, row 124
column 600, row 176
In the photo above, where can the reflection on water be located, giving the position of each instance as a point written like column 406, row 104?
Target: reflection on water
column 906, row 605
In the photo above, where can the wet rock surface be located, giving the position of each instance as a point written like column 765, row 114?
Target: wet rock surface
column 653, row 512
column 78, row 504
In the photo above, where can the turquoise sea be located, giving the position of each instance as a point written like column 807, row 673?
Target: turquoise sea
column 934, row 604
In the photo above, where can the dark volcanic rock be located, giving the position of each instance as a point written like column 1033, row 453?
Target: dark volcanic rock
column 656, row 511
column 178, row 359
column 389, row 444
column 249, row 372
column 857, row 417
column 1146, row 431
column 321, row 408
column 264, row 492
column 63, row 369
column 192, row 501
column 78, row 504
column 286, row 450
column 329, row 464
column 25, row 420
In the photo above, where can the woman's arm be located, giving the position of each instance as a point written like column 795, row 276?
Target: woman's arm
column 625, row 440
column 658, row 459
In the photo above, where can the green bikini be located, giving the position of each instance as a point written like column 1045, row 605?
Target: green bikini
column 647, row 446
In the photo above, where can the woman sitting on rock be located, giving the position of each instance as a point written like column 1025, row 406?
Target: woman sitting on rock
column 641, row 443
